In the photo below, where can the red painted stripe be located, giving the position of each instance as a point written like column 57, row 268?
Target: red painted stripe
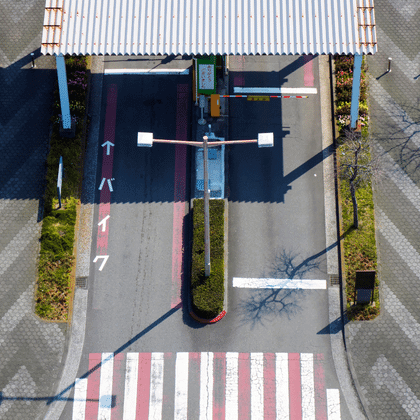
column 320, row 392
column 179, row 195
column 92, row 395
column 118, row 387
column 102, row 239
column 107, row 164
column 286, row 97
column 295, row 389
column 308, row 71
column 143, row 386
column 219, row 392
column 269, row 386
column 244, row 386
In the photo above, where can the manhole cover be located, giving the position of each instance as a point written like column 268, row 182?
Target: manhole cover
column 81, row 282
column 334, row 280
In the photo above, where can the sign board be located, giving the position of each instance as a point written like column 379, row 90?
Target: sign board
column 365, row 284
column 206, row 75
column 59, row 180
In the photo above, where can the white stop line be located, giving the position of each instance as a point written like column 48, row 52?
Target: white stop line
column 253, row 283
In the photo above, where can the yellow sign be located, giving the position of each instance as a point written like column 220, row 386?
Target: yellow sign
column 258, row 98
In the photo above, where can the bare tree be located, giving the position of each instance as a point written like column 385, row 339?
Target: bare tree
column 356, row 165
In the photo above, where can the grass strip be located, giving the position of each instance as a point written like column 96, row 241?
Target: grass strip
column 359, row 244
column 359, row 249
column 56, row 260
column 208, row 292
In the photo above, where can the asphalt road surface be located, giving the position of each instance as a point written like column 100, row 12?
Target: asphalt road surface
column 270, row 357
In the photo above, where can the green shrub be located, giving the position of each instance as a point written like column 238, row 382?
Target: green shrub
column 359, row 244
column 208, row 293
column 57, row 234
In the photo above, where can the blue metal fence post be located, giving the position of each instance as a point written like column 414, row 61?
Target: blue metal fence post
column 355, row 91
column 64, row 93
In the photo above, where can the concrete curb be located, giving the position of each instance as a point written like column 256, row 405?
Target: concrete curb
column 335, row 311
column 84, row 242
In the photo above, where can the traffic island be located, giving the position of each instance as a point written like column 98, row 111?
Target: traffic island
column 208, row 293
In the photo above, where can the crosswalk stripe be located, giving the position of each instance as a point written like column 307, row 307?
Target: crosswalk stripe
column 231, row 386
column 308, row 387
column 333, row 403
column 257, row 386
column 143, row 386
column 156, row 386
column 269, row 386
column 105, row 386
column 206, row 386
column 79, row 405
column 244, row 386
column 130, row 389
column 181, row 386
column 219, row 382
column 92, row 397
column 295, row 389
column 282, row 386
column 320, row 394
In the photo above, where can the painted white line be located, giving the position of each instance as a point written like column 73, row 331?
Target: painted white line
column 110, row 185
column 206, row 386
column 105, row 259
column 308, row 386
column 105, row 386
column 181, row 386
column 282, row 386
column 276, row 90
column 79, row 404
column 108, row 145
column 130, row 389
column 333, row 404
column 231, row 405
column 103, row 222
column 156, row 386
column 254, row 283
column 257, row 386
column 102, row 184
column 162, row 71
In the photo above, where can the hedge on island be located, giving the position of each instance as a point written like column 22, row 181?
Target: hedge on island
column 207, row 293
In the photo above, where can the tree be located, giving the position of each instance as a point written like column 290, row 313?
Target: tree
column 356, row 164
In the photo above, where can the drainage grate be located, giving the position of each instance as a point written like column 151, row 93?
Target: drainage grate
column 334, row 280
column 81, row 282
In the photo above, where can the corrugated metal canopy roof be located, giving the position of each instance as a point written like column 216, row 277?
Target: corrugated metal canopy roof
column 143, row 27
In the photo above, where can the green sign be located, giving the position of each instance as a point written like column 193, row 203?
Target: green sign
column 206, row 75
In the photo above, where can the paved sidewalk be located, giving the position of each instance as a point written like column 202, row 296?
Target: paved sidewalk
column 386, row 352
column 30, row 350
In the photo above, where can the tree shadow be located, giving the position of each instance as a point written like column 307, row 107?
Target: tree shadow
column 265, row 305
column 399, row 137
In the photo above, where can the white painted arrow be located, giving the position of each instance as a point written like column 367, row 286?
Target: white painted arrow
column 105, row 257
column 108, row 145
column 109, row 184
column 103, row 223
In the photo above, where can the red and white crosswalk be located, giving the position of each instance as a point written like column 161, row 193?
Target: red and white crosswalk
column 205, row 386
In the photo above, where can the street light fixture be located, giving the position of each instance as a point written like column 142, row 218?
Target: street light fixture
column 264, row 140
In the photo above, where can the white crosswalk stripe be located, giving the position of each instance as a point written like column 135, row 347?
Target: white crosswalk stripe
column 228, row 386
